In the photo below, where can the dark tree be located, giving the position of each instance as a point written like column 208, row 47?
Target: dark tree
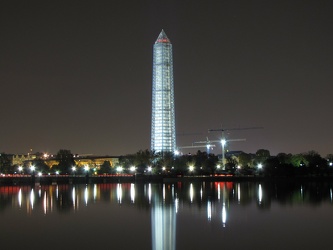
column 105, row 168
column 66, row 161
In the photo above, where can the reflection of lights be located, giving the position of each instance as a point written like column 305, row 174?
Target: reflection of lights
column 45, row 203
column 209, row 210
column 119, row 193
column 132, row 192
column 331, row 194
column 191, row 192
column 86, row 195
column 32, row 198
column 149, row 193
column 95, row 191
column 163, row 192
column 176, row 205
column 260, row 193
column 238, row 193
column 20, row 197
column 73, row 197
column 201, row 193
column 224, row 215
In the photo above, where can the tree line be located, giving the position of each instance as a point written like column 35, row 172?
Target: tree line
column 201, row 163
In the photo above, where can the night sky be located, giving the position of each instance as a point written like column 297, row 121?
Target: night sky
column 78, row 74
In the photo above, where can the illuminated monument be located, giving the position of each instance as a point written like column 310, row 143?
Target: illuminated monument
column 163, row 132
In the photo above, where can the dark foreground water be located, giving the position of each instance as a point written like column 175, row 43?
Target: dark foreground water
column 183, row 215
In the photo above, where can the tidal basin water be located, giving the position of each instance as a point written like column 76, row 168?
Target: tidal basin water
column 180, row 215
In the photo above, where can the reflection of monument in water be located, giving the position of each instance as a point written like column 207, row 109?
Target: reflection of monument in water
column 163, row 224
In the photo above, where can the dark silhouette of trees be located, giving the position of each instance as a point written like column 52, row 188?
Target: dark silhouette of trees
column 66, row 161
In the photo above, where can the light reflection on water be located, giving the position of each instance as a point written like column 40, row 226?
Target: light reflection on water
column 225, row 208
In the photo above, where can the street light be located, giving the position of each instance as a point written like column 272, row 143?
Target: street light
column 20, row 168
column 74, row 169
column 132, row 169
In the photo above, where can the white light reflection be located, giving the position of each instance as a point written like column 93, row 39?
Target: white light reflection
column 32, row 198
column 39, row 193
column 201, row 193
column 73, row 197
column 331, row 194
column 224, row 215
column 119, row 193
column 163, row 192
column 45, row 203
column 176, row 205
column 191, row 193
column 238, row 193
column 57, row 192
column 260, row 194
column 132, row 193
column 95, row 191
column 149, row 193
column 86, row 195
column 20, row 197
column 209, row 210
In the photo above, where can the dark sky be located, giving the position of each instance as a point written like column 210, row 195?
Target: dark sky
column 77, row 74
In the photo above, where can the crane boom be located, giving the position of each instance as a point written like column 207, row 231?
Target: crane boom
column 228, row 129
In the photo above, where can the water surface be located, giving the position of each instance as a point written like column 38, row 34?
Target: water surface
column 182, row 215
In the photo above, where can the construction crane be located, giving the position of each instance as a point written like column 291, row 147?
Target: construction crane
column 224, row 141
column 208, row 144
column 196, row 146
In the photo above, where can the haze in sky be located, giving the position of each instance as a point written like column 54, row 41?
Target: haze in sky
column 78, row 74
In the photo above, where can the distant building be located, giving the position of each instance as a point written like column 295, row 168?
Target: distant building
column 163, row 132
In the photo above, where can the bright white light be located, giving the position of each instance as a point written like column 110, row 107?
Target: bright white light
column 191, row 192
column 32, row 168
column 57, row 172
column 176, row 152
column 74, row 169
column 331, row 164
column 132, row 168
column 163, row 168
column 223, row 142
column 46, row 155
column 259, row 166
column 260, row 194
column 86, row 168
column 239, row 167
column 39, row 173
column 20, row 168
column 191, row 168
column 149, row 169
column 119, row 169
column 209, row 210
column 218, row 166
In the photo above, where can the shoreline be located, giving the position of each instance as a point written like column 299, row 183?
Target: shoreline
column 55, row 180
